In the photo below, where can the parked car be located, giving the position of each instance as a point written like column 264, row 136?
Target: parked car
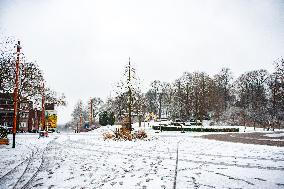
column 164, row 122
column 195, row 122
column 187, row 123
column 178, row 122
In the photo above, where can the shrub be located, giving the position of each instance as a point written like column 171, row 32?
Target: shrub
column 3, row 133
column 196, row 129
column 125, row 134
column 108, row 135
column 141, row 134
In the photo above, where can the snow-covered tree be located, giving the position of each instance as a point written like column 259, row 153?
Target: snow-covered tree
column 127, row 90
column 252, row 95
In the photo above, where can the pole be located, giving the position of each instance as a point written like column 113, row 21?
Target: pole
column 43, row 110
column 16, row 95
column 91, row 111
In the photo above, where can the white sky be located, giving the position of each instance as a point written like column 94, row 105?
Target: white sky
column 82, row 45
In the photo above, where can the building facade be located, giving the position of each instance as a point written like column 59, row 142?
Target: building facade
column 6, row 109
column 28, row 119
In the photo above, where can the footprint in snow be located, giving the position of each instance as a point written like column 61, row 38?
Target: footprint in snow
column 37, row 185
column 69, row 178
column 260, row 179
column 39, row 179
column 51, row 186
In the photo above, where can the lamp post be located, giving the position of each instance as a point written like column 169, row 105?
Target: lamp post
column 16, row 95
column 43, row 110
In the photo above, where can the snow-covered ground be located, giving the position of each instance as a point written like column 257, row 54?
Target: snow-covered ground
column 85, row 160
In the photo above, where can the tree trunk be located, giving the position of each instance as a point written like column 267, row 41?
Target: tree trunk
column 160, row 106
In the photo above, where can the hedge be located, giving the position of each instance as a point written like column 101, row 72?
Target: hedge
column 162, row 128
column 3, row 133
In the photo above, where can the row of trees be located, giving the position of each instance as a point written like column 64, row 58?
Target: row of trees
column 254, row 98
column 31, row 78
column 82, row 112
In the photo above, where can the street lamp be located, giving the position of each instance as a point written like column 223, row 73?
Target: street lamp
column 16, row 95
column 42, row 109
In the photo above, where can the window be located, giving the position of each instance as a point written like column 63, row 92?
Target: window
column 23, row 124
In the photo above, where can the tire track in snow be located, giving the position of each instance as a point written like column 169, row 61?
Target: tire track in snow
column 176, row 169
column 39, row 168
column 11, row 174
column 26, row 171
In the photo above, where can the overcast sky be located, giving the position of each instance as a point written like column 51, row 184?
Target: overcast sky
column 82, row 45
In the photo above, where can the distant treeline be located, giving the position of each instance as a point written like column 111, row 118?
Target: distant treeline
column 254, row 98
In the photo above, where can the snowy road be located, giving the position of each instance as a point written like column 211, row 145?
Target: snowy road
column 86, row 161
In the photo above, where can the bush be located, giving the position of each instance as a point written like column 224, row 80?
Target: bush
column 141, row 134
column 196, row 129
column 125, row 134
column 108, row 135
column 3, row 133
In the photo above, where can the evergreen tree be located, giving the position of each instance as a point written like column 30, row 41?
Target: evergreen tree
column 103, row 118
column 111, row 118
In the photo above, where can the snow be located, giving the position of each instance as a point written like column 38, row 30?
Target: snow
column 272, row 135
column 85, row 160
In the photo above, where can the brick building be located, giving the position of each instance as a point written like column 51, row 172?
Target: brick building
column 34, row 120
column 29, row 118
column 6, row 109
column 25, row 117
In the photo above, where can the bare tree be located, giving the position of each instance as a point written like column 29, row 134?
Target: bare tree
column 252, row 98
column 276, row 95
column 222, row 92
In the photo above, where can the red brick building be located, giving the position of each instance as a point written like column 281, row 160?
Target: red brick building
column 6, row 109
column 29, row 118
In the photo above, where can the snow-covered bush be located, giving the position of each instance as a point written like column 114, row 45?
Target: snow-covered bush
column 125, row 134
column 141, row 134
column 108, row 135
column 3, row 133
